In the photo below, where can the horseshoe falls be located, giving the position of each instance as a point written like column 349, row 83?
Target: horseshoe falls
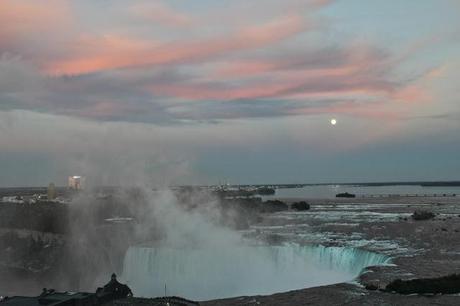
column 211, row 273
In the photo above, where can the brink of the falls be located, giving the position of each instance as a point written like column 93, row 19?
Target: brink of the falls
column 245, row 270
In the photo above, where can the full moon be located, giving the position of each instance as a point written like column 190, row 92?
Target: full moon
column 333, row 121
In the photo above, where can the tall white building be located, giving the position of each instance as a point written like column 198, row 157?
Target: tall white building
column 76, row 182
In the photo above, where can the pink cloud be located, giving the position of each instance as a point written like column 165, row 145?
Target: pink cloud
column 353, row 59
column 24, row 20
column 209, row 92
column 376, row 110
column 242, row 59
column 101, row 54
column 20, row 17
column 412, row 94
column 158, row 12
column 89, row 54
column 326, row 84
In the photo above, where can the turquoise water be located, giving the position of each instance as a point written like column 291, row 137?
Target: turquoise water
column 212, row 273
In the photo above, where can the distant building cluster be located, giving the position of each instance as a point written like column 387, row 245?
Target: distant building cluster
column 52, row 193
column 22, row 199
column 31, row 197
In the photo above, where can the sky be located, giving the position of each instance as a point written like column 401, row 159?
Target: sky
column 231, row 91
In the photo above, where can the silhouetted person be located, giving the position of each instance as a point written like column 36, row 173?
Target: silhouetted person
column 44, row 292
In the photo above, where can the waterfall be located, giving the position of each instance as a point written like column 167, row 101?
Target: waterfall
column 245, row 270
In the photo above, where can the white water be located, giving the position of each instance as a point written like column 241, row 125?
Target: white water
column 202, row 274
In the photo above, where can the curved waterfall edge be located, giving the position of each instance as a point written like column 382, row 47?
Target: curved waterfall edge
column 243, row 270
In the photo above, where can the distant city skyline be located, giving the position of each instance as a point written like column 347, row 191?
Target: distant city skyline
column 200, row 92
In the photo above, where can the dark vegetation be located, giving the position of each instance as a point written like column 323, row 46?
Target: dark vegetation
column 238, row 213
column 265, row 191
column 271, row 206
column 422, row 215
column 372, row 287
column 27, row 252
column 255, row 205
column 345, row 195
column 242, row 192
column 449, row 284
column 431, row 184
column 43, row 216
column 302, row 205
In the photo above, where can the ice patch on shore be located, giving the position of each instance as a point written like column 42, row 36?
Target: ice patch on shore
column 245, row 270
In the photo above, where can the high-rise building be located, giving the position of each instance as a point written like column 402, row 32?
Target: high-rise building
column 76, row 182
column 51, row 191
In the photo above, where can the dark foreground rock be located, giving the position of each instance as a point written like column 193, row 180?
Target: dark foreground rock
column 345, row 195
column 422, row 215
column 340, row 294
column 300, row 206
column 445, row 285
column 273, row 206
column 167, row 300
column 265, row 191
column 106, row 295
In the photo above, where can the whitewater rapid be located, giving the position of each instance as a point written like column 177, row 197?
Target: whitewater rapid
column 211, row 273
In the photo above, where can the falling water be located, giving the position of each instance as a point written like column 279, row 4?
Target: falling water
column 246, row 270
